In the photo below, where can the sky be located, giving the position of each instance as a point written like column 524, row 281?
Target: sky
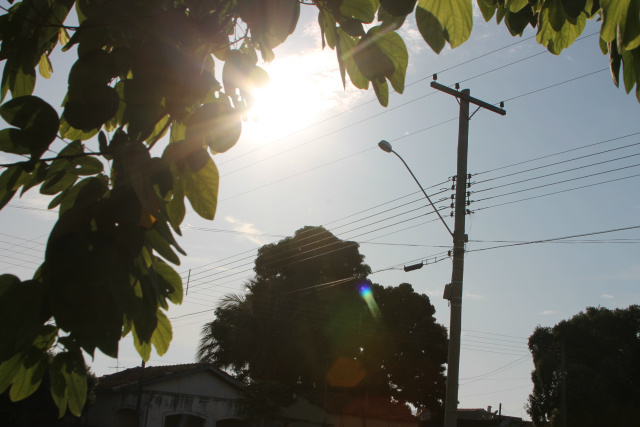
column 563, row 163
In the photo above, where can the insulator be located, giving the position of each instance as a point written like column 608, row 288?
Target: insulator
column 453, row 178
column 501, row 104
column 457, row 86
column 448, row 253
column 453, row 187
column 453, row 205
column 451, row 214
column 435, row 77
column 468, row 185
column 468, row 193
column 453, row 197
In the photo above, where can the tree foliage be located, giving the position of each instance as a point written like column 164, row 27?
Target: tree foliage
column 310, row 318
column 601, row 351
column 181, row 72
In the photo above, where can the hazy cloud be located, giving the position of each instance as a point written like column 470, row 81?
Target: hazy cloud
column 607, row 296
column 251, row 233
column 473, row 296
column 546, row 312
column 35, row 204
column 631, row 273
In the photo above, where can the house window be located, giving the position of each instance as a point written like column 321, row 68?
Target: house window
column 183, row 420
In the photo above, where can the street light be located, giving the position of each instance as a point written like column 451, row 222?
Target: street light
column 386, row 147
column 453, row 291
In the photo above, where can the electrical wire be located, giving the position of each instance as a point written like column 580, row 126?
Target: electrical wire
column 568, row 161
column 556, row 192
column 557, row 154
column 558, row 182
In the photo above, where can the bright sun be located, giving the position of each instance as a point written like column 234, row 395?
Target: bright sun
column 302, row 88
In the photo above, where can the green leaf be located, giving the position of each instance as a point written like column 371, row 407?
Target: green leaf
column 163, row 334
column 27, row 378
column 393, row 46
column 37, row 120
column 90, row 105
column 345, row 49
column 201, row 187
column 630, row 70
column 159, row 131
column 57, row 182
column 44, row 66
column 363, row 10
column 517, row 21
column 455, row 19
column 430, row 29
column 58, row 386
column 87, row 165
column 21, row 311
column 10, row 180
column 382, row 91
column 516, row 5
column 328, row 28
column 371, row 60
column 144, row 326
column 96, row 67
column 486, row 10
column 38, row 175
column 76, row 381
column 574, row 7
column 175, row 207
column 8, row 370
column 216, row 125
column 172, row 279
column 614, row 13
column 7, row 282
column 631, row 36
column 555, row 30
column 22, row 82
column 69, row 132
column 396, row 8
column 161, row 245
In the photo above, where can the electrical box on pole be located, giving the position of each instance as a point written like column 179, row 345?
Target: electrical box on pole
column 454, row 291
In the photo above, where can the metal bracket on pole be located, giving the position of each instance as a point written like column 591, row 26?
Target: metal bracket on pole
column 470, row 99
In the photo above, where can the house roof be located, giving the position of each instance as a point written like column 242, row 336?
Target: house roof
column 152, row 374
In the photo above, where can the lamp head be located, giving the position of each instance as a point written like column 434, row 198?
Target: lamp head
column 385, row 146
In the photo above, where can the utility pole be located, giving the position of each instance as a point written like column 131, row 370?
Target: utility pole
column 459, row 240
column 563, row 387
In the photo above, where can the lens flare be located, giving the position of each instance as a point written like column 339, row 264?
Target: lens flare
column 367, row 296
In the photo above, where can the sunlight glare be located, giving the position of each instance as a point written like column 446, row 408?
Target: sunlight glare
column 302, row 87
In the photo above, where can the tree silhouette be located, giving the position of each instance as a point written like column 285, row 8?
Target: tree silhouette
column 310, row 312
column 601, row 351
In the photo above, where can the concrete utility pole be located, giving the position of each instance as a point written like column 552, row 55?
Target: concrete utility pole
column 454, row 292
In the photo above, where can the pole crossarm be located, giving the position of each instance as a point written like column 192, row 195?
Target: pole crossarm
column 471, row 99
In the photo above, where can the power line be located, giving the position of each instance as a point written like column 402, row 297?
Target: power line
column 556, row 238
column 557, row 192
column 558, row 182
column 557, row 154
column 568, row 161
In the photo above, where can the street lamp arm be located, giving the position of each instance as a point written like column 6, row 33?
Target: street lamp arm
column 423, row 192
